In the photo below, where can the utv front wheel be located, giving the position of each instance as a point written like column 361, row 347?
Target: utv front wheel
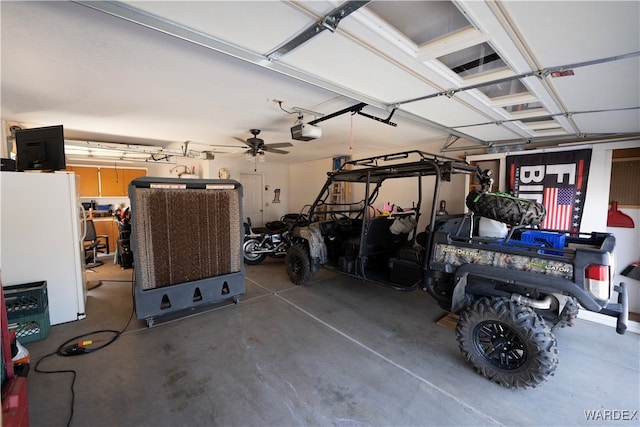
column 298, row 264
column 507, row 342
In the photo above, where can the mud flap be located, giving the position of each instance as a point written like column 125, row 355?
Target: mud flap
column 317, row 247
column 458, row 299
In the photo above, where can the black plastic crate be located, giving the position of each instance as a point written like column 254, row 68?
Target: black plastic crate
column 27, row 299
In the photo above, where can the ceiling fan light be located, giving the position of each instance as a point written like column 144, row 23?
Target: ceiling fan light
column 261, row 157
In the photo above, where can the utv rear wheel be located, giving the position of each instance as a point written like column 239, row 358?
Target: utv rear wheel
column 507, row 342
column 506, row 208
column 251, row 258
column 298, row 264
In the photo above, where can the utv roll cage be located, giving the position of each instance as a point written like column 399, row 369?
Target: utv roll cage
column 377, row 169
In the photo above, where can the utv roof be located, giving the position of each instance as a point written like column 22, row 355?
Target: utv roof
column 379, row 168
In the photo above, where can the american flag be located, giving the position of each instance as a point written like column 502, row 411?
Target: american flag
column 559, row 205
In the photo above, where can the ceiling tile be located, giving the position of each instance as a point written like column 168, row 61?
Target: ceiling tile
column 259, row 26
column 134, row 82
column 446, row 111
column 566, row 32
column 490, row 132
column 336, row 58
column 609, row 122
column 603, row 86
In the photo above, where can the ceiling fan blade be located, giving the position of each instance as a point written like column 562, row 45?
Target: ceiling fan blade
column 280, row 145
column 228, row 146
column 241, row 140
column 274, row 150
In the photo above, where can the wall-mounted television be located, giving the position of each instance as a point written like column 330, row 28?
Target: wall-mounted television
column 40, row 149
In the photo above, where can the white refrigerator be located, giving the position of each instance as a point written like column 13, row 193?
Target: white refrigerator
column 41, row 238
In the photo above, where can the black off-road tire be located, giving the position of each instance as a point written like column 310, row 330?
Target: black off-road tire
column 249, row 258
column 506, row 208
column 568, row 315
column 507, row 342
column 298, row 264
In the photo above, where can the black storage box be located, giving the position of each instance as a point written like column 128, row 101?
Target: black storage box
column 8, row 165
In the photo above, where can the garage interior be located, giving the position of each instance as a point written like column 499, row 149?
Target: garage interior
column 176, row 88
column 336, row 352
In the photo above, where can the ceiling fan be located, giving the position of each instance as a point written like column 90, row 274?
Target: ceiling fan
column 256, row 146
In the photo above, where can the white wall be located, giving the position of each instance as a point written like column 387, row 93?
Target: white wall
column 596, row 204
column 627, row 252
column 595, row 217
column 274, row 175
column 178, row 165
column 306, row 179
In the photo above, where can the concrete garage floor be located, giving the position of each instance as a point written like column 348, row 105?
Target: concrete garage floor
column 337, row 352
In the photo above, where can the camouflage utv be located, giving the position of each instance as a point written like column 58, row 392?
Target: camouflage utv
column 509, row 294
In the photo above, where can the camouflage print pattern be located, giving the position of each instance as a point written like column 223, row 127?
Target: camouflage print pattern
column 313, row 235
column 456, row 255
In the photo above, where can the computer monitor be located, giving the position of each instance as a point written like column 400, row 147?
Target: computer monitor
column 40, row 149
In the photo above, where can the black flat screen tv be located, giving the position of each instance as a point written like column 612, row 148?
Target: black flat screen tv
column 40, row 149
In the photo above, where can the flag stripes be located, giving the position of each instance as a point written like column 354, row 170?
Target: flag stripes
column 559, row 205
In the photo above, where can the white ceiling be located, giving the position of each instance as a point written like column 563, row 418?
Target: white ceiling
column 161, row 73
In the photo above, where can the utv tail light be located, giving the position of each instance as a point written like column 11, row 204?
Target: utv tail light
column 597, row 281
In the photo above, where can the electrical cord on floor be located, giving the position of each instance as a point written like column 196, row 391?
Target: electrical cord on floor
column 80, row 345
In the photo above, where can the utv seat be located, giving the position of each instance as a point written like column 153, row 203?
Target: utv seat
column 378, row 238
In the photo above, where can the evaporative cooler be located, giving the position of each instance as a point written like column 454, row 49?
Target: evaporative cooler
column 186, row 237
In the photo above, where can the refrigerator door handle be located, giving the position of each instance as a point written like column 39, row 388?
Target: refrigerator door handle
column 83, row 223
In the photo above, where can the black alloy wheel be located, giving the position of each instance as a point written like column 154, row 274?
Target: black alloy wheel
column 298, row 264
column 507, row 342
column 500, row 345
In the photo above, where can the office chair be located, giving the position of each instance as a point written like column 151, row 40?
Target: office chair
column 94, row 244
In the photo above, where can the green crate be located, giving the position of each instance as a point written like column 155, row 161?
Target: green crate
column 31, row 328
column 26, row 299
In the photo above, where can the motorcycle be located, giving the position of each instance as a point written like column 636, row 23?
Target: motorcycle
column 273, row 240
